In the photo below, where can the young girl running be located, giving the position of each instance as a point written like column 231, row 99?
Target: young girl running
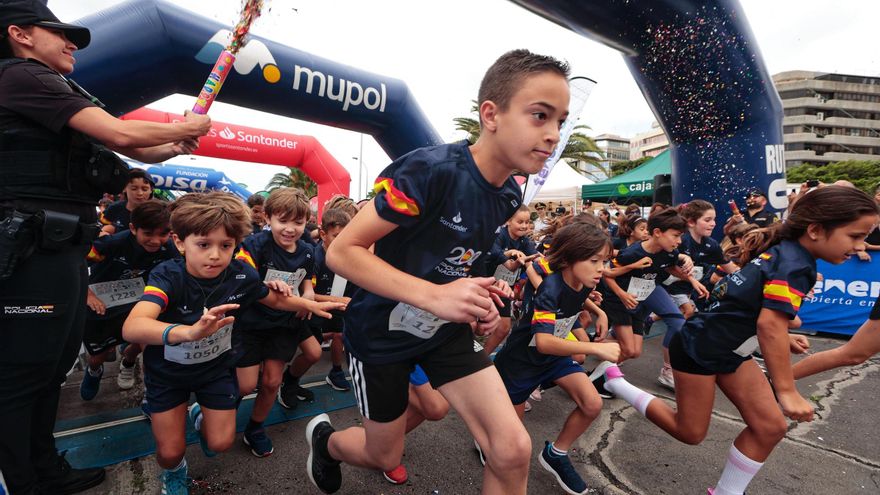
column 633, row 229
column 537, row 352
column 750, row 307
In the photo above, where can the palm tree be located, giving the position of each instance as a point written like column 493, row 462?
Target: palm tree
column 581, row 153
column 295, row 178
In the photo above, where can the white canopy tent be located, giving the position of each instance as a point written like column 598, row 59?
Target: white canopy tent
column 563, row 184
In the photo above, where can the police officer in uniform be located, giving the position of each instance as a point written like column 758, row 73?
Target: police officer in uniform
column 53, row 171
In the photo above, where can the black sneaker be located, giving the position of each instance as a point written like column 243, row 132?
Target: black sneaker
column 291, row 391
column 597, row 376
column 323, row 470
column 561, row 468
column 64, row 479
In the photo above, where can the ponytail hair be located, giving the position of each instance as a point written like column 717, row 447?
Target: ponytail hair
column 575, row 242
column 830, row 207
column 694, row 209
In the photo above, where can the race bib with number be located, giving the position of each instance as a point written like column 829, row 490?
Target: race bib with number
column 561, row 328
column 119, row 292
column 506, row 276
column 201, row 351
column 697, row 272
column 293, row 279
column 640, row 288
column 414, row 321
column 748, row 347
column 338, row 287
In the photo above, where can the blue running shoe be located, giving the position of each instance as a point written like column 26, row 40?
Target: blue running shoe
column 561, row 468
column 90, row 385
column 175, row 482
column 336, row 380
column 259, row 442
column 195, row 415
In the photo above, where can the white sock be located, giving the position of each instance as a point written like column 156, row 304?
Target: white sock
column 737, row 474
column 556, row 451
column 180, row 466
column 637, row 397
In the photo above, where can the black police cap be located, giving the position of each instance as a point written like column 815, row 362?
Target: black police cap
column 36, row 13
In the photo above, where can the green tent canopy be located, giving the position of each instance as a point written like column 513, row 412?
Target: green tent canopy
column 636, row 184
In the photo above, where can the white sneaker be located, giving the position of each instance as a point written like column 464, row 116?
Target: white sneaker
column 666, row 379
column 536, row 395
column 528, row 406
column 125, row 378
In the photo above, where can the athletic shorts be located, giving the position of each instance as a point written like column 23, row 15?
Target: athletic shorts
column 219, row 393
column 681, row 361
column 278, row 343
column 382, row 391
column 682, row 299
column 519, row 388
column 103, row 334
column 619, row 315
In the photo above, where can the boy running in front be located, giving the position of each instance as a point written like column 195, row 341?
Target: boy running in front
column 435, row 214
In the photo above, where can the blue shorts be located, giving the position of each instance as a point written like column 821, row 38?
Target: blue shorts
column 418, row 376
column 519, row 388
column 220, row 393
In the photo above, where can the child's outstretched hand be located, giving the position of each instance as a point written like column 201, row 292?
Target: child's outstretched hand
column 280, row 286
column 486, row 326
column 95, row 303
column 321, row 308
column 629, row 300
column 645, row 262
column 601, row 327
column 214, row 319
column 794, row 406
column 607, row 351
column 701, row 290
column 463, row 300
column 798, row 344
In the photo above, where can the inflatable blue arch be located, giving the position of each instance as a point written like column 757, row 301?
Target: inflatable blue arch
column 696, row 61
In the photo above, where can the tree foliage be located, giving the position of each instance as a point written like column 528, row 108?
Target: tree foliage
column 623, row 167
column 864, row 174
column 294, row 178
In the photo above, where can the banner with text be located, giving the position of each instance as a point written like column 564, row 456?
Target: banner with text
column 843, row 300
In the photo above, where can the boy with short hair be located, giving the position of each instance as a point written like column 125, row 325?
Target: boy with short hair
column 331, row 287
column 434, row 215
column 116, row 216
column 119, row 266
column 185, row 318
column 269, row 337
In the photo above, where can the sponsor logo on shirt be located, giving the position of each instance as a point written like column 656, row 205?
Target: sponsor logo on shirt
column 46, row 309
column 458, row 263
column 454, row 224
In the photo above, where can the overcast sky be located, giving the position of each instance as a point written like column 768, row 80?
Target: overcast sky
column 442, row 49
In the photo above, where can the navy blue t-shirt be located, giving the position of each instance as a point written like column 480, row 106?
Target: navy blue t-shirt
column 555, row 312
column 117, row 215
column 182, row 299
column 504, row 242
column 446, row 215
column 726, row 334
column 706, row 255
column 120, row 257
column 323, row 282
column 656, row 272
column 272, row 262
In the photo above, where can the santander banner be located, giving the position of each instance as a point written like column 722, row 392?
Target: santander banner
column 249, row 144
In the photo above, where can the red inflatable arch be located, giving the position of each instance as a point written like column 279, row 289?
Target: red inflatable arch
column 249, row 144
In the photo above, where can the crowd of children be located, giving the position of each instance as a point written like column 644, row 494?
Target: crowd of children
column 414, row 290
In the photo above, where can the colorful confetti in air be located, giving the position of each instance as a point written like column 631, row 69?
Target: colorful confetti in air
column 250, row 10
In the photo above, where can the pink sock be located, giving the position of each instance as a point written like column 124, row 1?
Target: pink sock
column 617, row 385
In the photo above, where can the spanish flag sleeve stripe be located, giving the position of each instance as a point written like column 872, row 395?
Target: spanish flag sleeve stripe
column 765, row 256
column 243, row 255
column 94, row 255
column 104, row 220
column 778, row 290
column 547, row 317
column 156, row 292
column 545, row 266
column 396, row 199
